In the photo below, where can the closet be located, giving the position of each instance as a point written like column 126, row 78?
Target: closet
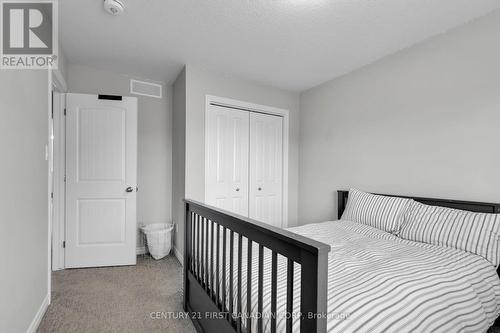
column 244, row 163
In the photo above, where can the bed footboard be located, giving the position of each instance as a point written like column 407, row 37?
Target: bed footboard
column 213, row 259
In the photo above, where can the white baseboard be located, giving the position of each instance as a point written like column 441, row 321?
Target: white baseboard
column 178, row 255
column 141, row 250
column 39, row 315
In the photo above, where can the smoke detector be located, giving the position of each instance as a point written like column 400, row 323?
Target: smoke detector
column 114, row 7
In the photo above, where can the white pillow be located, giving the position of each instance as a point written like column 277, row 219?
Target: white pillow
column 477, row 233
column 379, row 211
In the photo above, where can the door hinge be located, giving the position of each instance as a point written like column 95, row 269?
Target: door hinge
column 52, row 195
column 64, row 244
column 65, row 178
column 64, row 111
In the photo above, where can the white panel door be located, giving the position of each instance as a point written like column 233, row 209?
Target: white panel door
column 226, row 178
column 266, row 168
column 101, row 175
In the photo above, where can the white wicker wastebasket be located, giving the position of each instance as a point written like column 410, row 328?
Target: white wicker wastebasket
column 158, row 239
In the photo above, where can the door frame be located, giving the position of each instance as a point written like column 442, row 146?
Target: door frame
column 57, row 221
column 259, row 108
column 118, row 252
column 59, row 88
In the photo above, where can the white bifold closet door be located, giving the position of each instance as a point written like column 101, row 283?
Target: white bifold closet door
column 244, row 171
column 227, row 152
column 266, row 168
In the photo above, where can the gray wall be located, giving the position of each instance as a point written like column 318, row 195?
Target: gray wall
column 62, row 64
column 154, row 172
column 24, row 197
column 193, row 86
column 422, row 122
column 179, row 158
column 200, row 83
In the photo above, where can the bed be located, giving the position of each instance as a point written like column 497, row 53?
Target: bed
column 337, row 276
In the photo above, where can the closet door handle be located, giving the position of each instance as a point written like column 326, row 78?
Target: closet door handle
column 260, row 189
column 237, row 189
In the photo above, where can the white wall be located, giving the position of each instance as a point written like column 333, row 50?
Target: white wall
column 179, row 158
column 24, row 197
column 422, row 122
column 154, row 173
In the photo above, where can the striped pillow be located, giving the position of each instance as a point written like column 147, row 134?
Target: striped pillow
column 477, row 233
column 382, row 212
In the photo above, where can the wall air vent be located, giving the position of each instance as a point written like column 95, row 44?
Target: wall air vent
column 145, row 88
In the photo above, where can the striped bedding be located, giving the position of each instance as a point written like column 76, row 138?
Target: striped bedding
column 477, row 233
column 378, row 282
column 387, row 284
column 379, row 211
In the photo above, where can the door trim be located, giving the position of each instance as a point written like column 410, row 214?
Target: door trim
column 57, row 84
column 252, row 107
column 59, row 186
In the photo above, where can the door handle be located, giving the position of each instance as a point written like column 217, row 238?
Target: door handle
column 129, row 189
column 260, row 188
column 237, row 189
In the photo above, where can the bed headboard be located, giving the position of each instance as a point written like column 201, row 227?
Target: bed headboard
column 480, row 207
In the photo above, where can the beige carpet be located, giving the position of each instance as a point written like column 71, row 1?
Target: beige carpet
column 117, row 299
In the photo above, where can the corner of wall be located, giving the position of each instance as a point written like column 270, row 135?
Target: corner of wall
column 179, row 156
column 39, row 315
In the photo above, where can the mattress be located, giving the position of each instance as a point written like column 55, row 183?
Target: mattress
column 378, row 282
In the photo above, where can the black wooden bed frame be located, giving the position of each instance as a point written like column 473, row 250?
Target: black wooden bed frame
column 209, row 311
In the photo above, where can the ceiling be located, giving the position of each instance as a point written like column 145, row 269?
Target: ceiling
column 290, row 44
